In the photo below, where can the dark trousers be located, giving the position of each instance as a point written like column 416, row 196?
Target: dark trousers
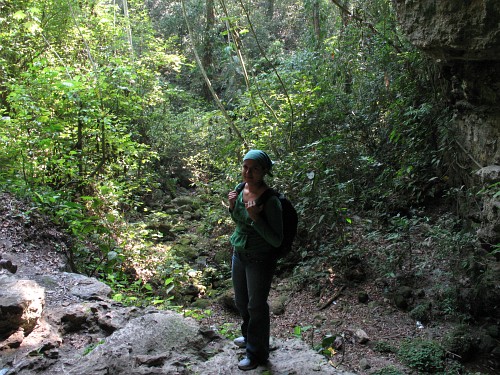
column 252, row 282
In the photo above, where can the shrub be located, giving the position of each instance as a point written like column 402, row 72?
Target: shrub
column 460, row 342
column 422, row 355
column 384, row 347
column 421, row 312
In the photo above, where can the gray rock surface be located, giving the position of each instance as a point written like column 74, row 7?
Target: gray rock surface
column 452, row 30
column 463, row 37
column 92, row 335
column 21, row 305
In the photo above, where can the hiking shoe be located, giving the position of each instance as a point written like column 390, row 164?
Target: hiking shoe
column 7, row 264
column 247, row 364
column 13, row 268
column 240, row 342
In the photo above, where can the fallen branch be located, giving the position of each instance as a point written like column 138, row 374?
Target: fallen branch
column 334, row 297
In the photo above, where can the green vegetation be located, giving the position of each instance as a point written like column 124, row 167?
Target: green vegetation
column 422, row 355
column 384, row 347
column 91, row 347
column 109, row 126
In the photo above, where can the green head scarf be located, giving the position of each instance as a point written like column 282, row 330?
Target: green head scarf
column 260, row 157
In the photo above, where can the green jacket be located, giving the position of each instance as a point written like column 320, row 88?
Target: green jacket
column 262, row 236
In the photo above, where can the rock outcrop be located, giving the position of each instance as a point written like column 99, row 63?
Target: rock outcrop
column 84, row 332
column 464, row 39
column 452, row 30
column 21, row 305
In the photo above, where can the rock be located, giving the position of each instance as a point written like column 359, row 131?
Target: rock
column 44, row 338
column 364, row 364
column 14, row 340
column 186, row 209
column 458, row 30
column 71, row 318
column 361, row 336
column 21, row 304
column 7, row 264
column 164, row 229
column 402, row 297
column 94, row 316
column 227, row 300
column 278, row 304
column 152, row 360
column 489, row 174
column 400, row 302
column 363, row 297
column 186, row 202
column 489, row 217
column 489, row 232
column 292, row 357
column 463, row 37
column 143, row 342
column 88, row 288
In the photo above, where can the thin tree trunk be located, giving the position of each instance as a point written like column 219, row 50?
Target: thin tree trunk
column 317, row 23
column 207, row 59
column 128, row 28
column 270, row 9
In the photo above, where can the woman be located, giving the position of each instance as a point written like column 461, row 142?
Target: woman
column 259, row 231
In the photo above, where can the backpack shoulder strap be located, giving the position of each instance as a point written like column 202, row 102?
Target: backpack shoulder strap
column 239, row 188
column 268, row 194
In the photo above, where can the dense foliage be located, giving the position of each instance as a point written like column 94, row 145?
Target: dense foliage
column 110, row 109
column 126, row 122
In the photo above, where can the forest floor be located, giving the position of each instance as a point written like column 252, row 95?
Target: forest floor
column 309, row 311
column 371, row 329
column 344, row 315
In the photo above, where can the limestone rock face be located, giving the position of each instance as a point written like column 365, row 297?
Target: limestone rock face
column 452, row 30
column 464, row 39
column 21, row 305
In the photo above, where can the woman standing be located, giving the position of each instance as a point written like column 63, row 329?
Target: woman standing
column 259, row 231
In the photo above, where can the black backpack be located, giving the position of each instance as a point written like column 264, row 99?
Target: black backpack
column 290, row 219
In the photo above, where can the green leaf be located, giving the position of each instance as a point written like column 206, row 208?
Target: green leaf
column 19, row 15
column 112, row 255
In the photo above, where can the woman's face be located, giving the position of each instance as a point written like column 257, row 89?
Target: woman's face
column 252, row 171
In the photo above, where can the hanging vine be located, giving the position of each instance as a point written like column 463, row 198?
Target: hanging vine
column 207, row 80
column 275, row 71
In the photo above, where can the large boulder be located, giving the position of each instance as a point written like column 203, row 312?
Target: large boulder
column 157, row 343
column 21, row 305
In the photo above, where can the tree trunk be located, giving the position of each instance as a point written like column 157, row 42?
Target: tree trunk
column 207, row 59
column 269, row 9
column 316, row 23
